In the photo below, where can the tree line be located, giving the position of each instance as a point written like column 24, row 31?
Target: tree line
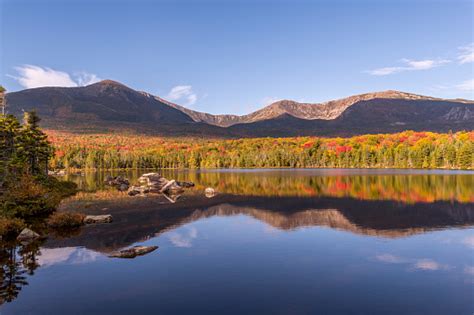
column 26, row 190
column 407, row 149
column 24, row 148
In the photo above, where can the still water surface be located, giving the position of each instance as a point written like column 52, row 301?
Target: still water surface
column 271, row 242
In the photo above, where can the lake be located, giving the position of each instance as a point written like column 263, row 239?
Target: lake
column 270, row 242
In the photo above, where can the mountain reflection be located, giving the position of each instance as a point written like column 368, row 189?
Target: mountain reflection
column 375, row 205
column 141, row 218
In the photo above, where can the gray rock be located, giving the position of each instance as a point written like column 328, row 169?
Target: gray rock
column 118, row 181
column 57, row 172
column 210, row 192
column 123, row 187
column 133, row 251
column 104, row 218
column 185, row 184
column 138, row 190
column 27, row 235
column 155, row 183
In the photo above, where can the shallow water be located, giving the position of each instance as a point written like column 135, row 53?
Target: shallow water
column 271, row 241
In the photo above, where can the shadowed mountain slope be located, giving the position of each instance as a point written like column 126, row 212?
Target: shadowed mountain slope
column 109, row 106
column 309, row 111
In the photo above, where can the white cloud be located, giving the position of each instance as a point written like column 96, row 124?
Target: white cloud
column 410, row 65
column 469, row 270
column 385, row 71
column 469, row 241
column 466, row 86
column 183, row 93
column 418, row 264
column 185, row 239
column 84, row 78
column 466, row 54
column 31, row 76
column 389, row 258
column 269, row 100
column 428, row 264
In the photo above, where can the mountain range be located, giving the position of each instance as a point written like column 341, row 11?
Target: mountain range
column 109, row 106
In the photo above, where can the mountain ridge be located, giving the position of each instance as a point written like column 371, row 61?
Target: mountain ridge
column 325, row 110
column 112, row 106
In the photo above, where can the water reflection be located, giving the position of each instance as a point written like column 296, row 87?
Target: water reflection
column 364, row 206
column 397, row 185
column 390, row 219
column 18, row 261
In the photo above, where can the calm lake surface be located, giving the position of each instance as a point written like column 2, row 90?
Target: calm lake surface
column 270, row 242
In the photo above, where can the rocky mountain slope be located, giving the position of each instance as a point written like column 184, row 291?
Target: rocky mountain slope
column 112, row 106
column 310, row 111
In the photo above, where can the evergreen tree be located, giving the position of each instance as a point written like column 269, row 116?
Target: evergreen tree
column 34, row 149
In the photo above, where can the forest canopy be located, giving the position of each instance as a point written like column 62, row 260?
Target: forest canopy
column 407, row 149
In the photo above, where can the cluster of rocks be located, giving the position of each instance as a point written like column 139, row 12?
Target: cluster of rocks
column 155, row 183
column 57, row 172
column 121, row 183
column 27, row 235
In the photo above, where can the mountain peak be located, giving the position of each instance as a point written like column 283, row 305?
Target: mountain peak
column 109, row 82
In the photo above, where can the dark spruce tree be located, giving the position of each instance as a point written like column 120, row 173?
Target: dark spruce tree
column 34, row 150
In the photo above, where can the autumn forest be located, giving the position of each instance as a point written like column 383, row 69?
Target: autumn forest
column 407, row 149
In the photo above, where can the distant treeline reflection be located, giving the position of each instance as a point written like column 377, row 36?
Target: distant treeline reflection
column 405, row 188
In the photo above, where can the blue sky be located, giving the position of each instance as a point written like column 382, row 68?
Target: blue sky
column 236, row 56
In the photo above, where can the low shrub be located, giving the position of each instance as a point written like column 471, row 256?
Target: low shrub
column 10, row 226
column 61, row 188
column 61, row 220
column 32, row 197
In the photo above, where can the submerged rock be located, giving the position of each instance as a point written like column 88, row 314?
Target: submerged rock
column 133, row 251
column 103, row 218
column 27, row 235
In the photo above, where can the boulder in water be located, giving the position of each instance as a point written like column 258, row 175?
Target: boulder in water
column 103, row 218
column 133, row 251
column 27, row 235
column 210, row 192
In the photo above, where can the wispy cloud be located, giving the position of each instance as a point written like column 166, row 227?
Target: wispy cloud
column 183, row 93
column 417, row 264
column 31, row 76
column 469, row 270
column 466, row 86
column 85, row 78
column 184, row 239
column 269, row 100
column 466, row 54
column 429, row 265
column 469, row 241
column 409, row 65
column 389, row 258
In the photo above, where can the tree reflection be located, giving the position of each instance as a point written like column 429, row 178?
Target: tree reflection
column 17, row 260
column 408, row 188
